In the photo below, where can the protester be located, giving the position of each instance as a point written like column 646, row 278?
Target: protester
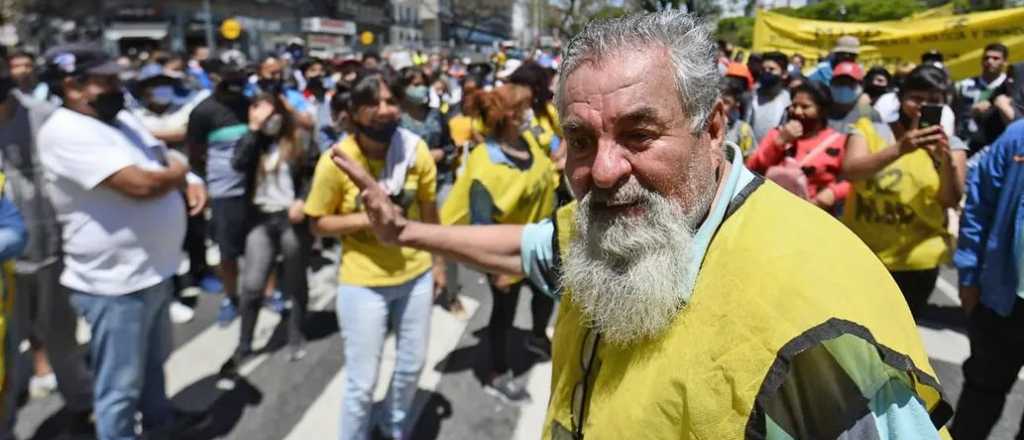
column 165, row 115
column 905, row 178
column 380, row 286
column 214, row 128
column 13, row 239
column 772, row 99
column 805, row 145
column 317, row 89
column 41, row 313
column 278, row 157
column 329, row 134
column 990, row 284
column 877, row 82
column 269, row 78
column 508, row 180
column 544, row 124
column 739, row 131
column 198, row 56
column 662, row 314
column 22, row 65
column 796, row 65
column 846, row 49
column 982, row 105
column 849, row 102
column 114, row 188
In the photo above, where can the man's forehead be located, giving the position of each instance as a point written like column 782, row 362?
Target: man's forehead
column 619, row 84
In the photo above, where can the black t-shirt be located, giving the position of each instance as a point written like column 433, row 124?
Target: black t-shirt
column 212, row 114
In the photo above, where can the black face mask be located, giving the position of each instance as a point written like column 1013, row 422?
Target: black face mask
column 108, row 105
column 874, row 91
column 380, row 133
column 769, row 80
column 272, row 86
column 315, row 85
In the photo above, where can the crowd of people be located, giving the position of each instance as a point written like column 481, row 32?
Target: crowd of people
column 580, row 177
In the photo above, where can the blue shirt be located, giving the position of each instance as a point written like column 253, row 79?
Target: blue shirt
column 990, row 226
column 13, row 236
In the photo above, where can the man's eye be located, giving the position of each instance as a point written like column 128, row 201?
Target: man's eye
column 639, row 136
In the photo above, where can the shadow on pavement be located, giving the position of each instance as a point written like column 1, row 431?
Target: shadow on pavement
column 225, row 410
column 436, row 409
column 478, row 357
column 943, row 318
column 65, row 425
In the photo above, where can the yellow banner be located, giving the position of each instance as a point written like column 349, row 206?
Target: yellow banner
column 960, row 38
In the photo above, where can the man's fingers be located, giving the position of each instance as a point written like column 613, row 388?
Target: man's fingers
column 359, row 176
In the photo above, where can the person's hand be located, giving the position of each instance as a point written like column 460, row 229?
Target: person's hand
column 386, row 218
column 295, row 212
column 259, row 111
column 440, row 279
column 981, row 107
column 197, row 198
column 789, row 132
column 969, row 297
column 1005, row 105
column 939, row 150
column 825, row 199
column 914, row 139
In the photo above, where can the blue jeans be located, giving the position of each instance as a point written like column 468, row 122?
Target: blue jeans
column 130, row 342
column 363, row 316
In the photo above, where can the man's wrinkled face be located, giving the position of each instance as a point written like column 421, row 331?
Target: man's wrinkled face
column 644, row 182
column 624, row 119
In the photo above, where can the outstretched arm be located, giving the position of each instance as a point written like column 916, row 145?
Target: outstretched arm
column 493, row 248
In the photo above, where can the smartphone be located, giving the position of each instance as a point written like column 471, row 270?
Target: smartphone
column 931, row 115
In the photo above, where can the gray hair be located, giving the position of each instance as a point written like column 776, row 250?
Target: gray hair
column 686, row 37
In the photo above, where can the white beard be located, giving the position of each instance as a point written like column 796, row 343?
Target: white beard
column 629, row 275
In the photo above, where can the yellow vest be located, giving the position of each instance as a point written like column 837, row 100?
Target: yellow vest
column 6, row 306
column 520, row 196
column 896, row 211
column 767, row 292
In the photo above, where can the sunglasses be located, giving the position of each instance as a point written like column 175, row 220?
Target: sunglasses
column 588, row 354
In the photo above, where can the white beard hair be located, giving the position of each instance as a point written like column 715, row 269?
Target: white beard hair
column 629, row 276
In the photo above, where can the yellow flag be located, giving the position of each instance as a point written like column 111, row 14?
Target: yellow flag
column 960, row 38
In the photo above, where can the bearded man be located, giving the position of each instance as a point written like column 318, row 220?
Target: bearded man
column 698, row 300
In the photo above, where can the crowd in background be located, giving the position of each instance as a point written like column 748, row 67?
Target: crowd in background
column 121, row 169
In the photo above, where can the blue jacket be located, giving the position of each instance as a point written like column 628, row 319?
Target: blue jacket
column 986, row 254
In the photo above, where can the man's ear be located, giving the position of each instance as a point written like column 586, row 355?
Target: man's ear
column 717, row 126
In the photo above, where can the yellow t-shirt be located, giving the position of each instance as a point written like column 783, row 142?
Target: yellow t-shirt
column 897, row 213
column 545, row 127
column 364, row 260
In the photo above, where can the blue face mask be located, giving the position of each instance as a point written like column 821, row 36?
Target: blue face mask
column 417, row 94
column 845, row 94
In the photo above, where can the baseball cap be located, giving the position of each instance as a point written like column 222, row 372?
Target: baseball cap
column 847, row 44
column 510, row 66
column 741, row 71
column 79, row 59
column 850, row 69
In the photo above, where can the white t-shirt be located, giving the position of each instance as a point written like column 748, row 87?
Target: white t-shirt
column 888, row 106
column 113, row 244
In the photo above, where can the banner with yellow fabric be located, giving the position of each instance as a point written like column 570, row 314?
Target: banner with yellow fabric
column 960, row 38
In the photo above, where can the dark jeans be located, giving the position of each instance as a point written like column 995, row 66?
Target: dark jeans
column 997, row 355
column 917, row 286
column 503, row 314
column 272, row 235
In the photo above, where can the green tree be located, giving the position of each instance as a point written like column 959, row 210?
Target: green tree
column 856, row 11
column 736, row 30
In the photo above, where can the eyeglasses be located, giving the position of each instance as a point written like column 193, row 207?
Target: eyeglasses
column 588, row 354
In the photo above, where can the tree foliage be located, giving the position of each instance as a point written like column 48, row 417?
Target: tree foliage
column 737, row 30
column 856, row 11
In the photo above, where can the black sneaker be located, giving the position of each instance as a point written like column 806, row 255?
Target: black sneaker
column 231, row 366
column 505, row 388
column 540, row 346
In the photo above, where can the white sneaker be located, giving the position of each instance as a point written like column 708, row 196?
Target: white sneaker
column 42, row 386
column 181, row 313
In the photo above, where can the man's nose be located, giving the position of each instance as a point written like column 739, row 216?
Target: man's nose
column 610, row 166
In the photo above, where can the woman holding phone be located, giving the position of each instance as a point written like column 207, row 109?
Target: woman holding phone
column 905, row 176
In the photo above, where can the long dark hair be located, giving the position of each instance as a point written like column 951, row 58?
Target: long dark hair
column 538, row 80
